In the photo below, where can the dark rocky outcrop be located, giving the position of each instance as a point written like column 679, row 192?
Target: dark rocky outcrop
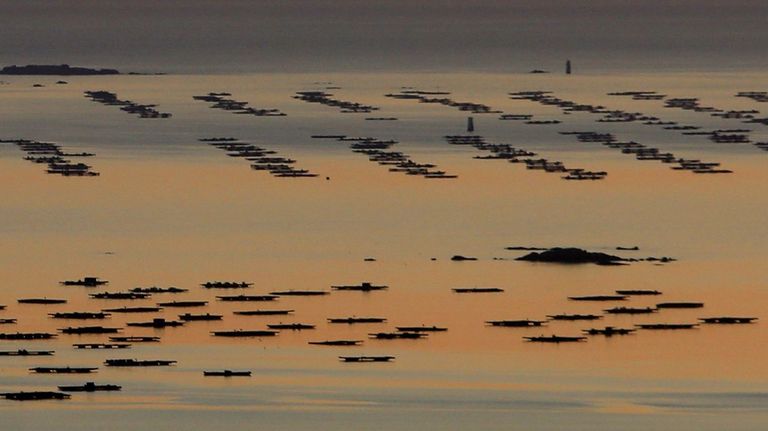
column 459, row 258
column 49, row 69
column 573, row 255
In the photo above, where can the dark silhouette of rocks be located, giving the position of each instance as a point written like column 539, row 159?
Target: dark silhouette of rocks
column 50, row 69
column 572, row 255
column 459, row 258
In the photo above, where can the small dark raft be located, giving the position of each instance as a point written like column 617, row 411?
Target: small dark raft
column 555, row 339
column 90, row 387
column 227, row 373
column 366, row 358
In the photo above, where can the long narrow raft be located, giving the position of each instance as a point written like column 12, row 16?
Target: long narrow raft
column 555, row 339
column 27, row 336
column 183, row 304
column 663, row 326
column 478, row 290
column 398, row 335
column 226, row 285
column 24, row 352
column 609, row 331
column 680, row 305
column 120, row 295
column 247, row 298
column 726, row 320
column 85, row 282
column 336, row 343
column 79, row 315
column 515, row 323
column 35, row 396
column 227, row 373
column 574, row 316
column 43, row 301
column 81, row 330
column 157, row 323
column 638, row 292
column 101, row 346
column 155, row 289
column 63, row 370
column 90, row 387
column 138, row 363
column 188, row 317
column 366, row 358
column 362, row 287
column 245, row 333
column 135, row 339
column 630, row 310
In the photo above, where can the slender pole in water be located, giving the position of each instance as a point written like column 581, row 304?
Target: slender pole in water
column 470, row 124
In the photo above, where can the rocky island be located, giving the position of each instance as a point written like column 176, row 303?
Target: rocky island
column 61, row 69
column 572, row 255
column 578, row 255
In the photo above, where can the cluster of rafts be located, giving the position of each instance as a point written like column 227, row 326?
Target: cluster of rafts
column 757, row 96
column 608, row 331
column 526, row 118
column 52, row 155
column 641, row 151
column 429, row 97
column 272, row 330
column 522, row 156
column 620, row 116
column 693, row 104
column 640, row 95
column 644, row 152
column 327, row 99
column 261, row 159
column 378, row 151
column 224, row 102
column 472, row 107
column 720, row 136
column 607, row 115
column 120, row 342
column 110, row 99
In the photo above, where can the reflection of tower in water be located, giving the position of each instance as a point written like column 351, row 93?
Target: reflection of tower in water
column 567, row 67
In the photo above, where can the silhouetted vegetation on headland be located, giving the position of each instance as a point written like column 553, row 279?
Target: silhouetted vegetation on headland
column 52, row 69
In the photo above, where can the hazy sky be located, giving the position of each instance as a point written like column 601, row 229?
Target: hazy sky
column 334, row 35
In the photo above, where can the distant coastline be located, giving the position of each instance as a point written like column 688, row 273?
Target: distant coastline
column 62, row 70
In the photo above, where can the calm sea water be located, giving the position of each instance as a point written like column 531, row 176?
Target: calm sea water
column 169, row 210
